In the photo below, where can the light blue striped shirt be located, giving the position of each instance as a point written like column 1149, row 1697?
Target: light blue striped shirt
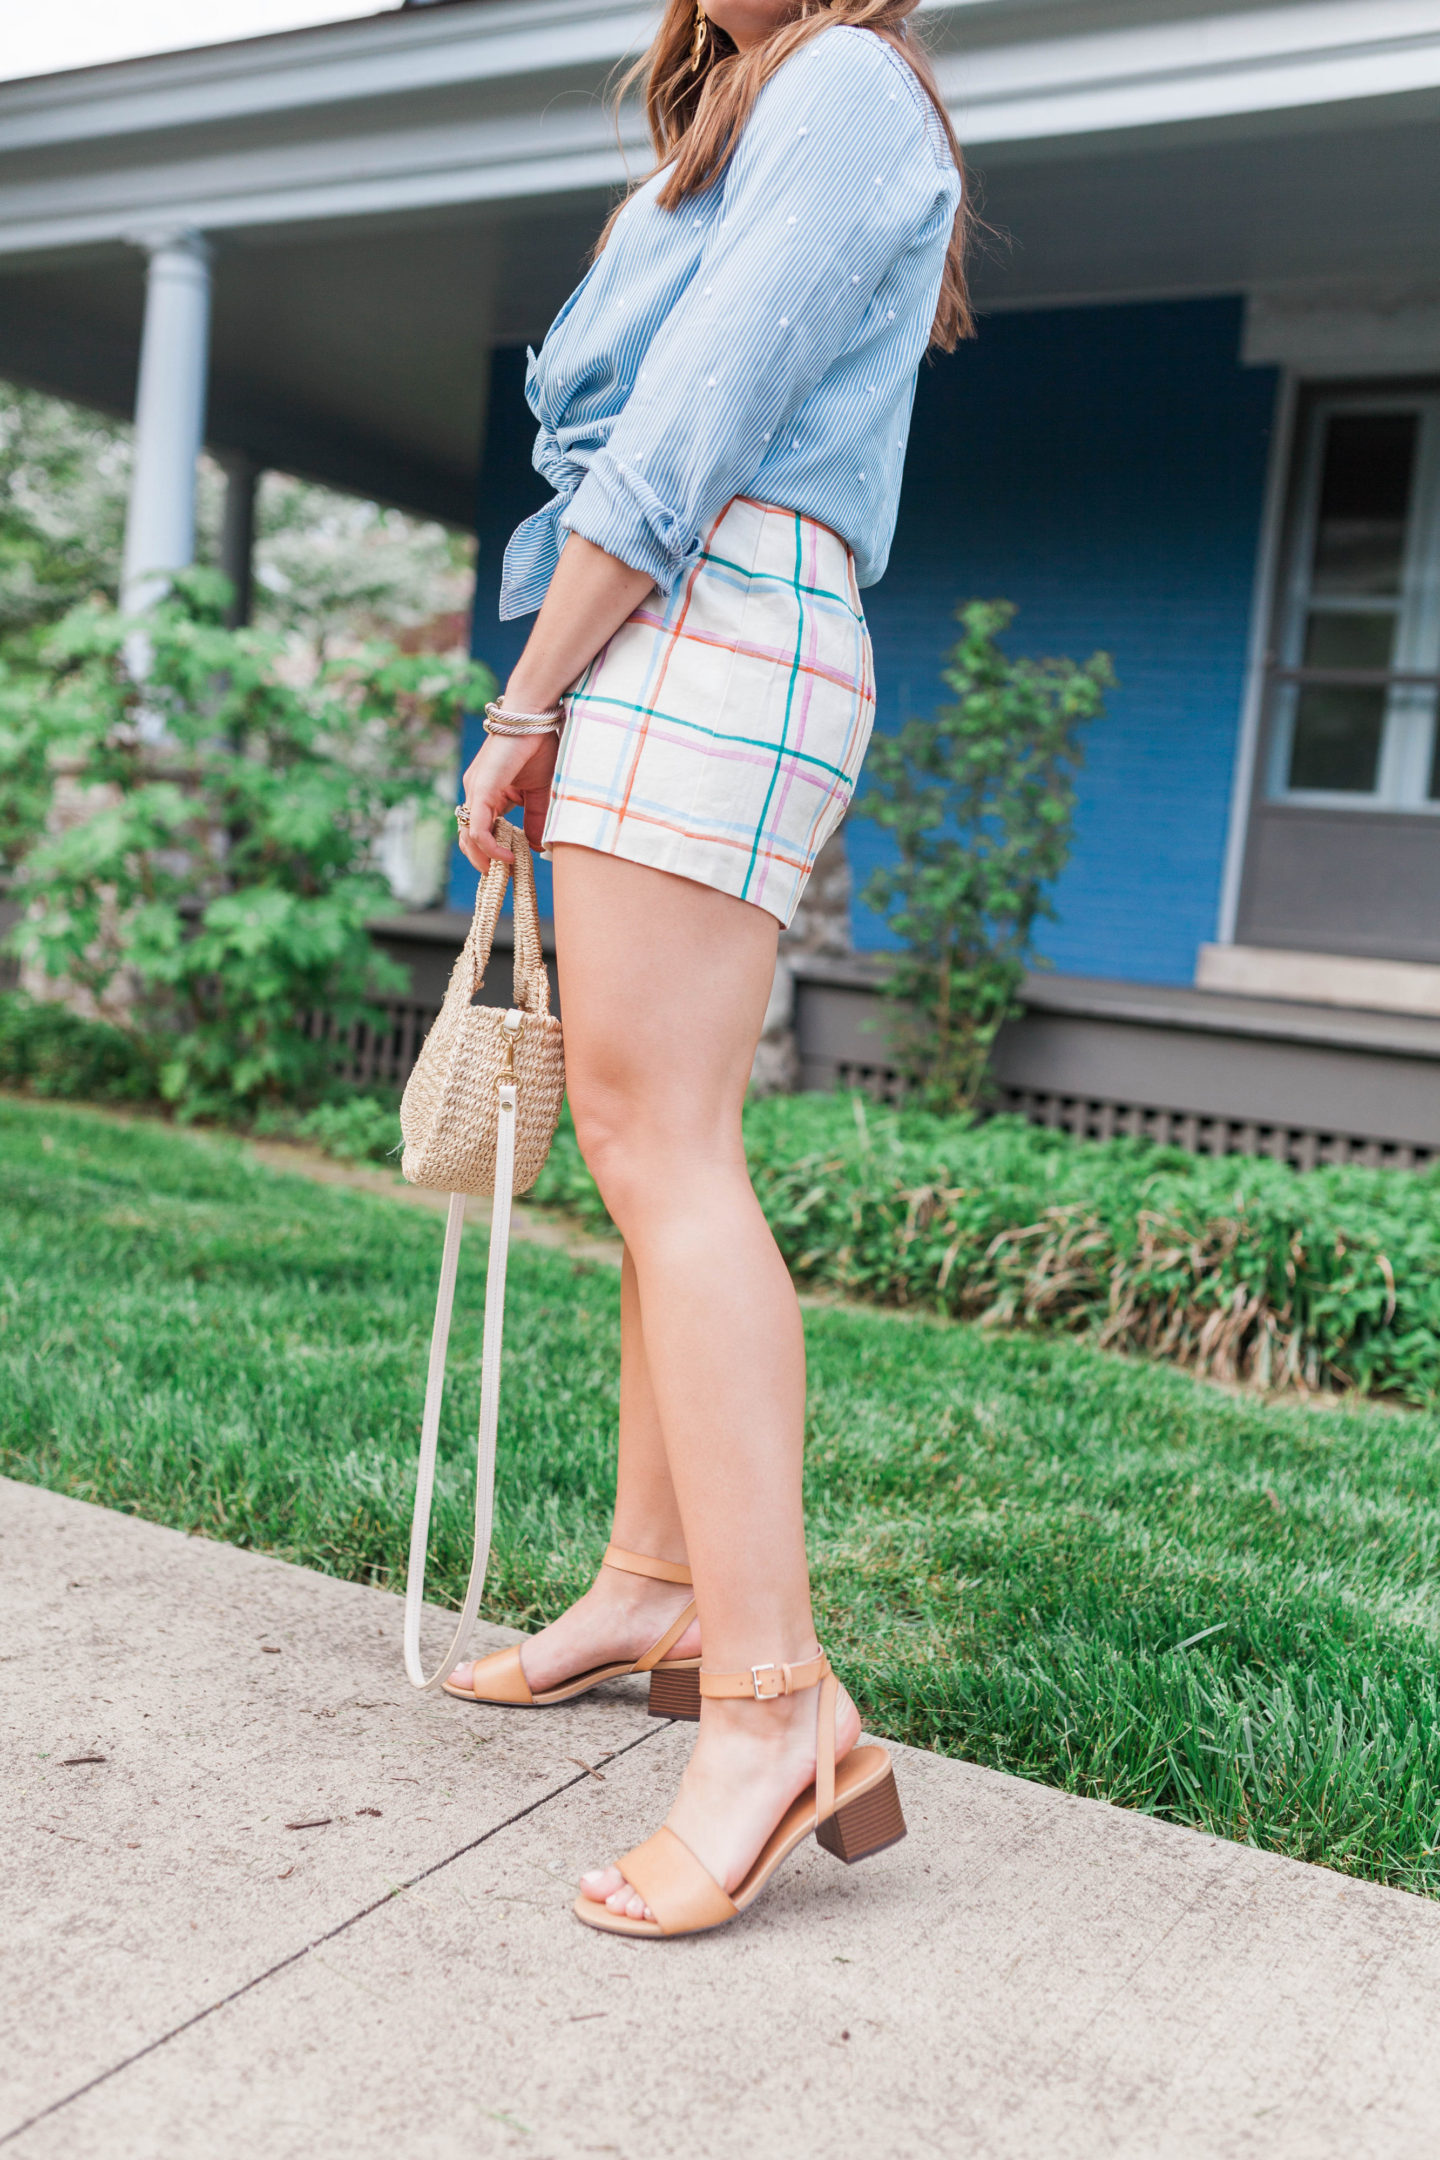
column 760, row 340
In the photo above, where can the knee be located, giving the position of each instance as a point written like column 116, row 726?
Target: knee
column 645, row 1154
column 607, row 1128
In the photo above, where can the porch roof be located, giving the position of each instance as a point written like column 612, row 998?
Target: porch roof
column 389, row 198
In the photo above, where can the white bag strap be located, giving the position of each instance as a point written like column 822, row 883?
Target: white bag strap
column 489, row 1404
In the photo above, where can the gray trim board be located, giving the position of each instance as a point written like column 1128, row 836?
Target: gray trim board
column 1214, row 1012
column 1252, row 1066
column 1222, row 1074
column 1243, row 1078
column 1344, row 881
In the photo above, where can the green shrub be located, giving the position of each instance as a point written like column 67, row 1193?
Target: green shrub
column 357, row 1128
column 1241, row 1269
column 46, row 1050
column 52, row 1052
column 218, row 888
column 353, row 1127
column 979, row 800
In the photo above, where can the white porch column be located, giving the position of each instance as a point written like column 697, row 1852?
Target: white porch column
column 169, row 415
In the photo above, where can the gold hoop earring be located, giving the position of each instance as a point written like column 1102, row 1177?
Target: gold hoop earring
column 702, row 32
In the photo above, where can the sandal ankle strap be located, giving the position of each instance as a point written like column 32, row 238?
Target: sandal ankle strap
column 665, row 1643
column 635, row 1563
column 764, row 1683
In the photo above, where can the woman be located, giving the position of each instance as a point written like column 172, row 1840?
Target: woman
column 723, row 409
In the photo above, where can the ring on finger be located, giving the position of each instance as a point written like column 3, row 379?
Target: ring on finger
column 462, row 814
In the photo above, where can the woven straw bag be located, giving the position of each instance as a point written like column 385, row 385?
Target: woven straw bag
column 478, row 1115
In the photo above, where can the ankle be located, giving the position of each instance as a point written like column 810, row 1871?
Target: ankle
column 782, row 1725
column 636, row 1593
column 662, row 1544
column 781, row 1678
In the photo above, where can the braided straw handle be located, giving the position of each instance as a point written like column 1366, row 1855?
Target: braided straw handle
column 448, row 1117
column 530, row 983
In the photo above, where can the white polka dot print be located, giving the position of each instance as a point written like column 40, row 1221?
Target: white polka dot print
column 817, row 420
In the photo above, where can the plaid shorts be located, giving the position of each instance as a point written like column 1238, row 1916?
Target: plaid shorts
column 720, row 733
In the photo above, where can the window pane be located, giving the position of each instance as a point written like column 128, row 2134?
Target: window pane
column 1337, row 726
column 1350, row 641
column 1364, row 502
column 1336, row 744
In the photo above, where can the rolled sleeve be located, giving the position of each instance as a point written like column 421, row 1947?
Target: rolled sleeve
column 619, row 510
column 837, row 174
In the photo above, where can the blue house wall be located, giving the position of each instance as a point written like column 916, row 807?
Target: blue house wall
column 1103, row 468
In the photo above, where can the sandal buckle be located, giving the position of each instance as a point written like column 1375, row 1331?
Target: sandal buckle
column 768, row 1690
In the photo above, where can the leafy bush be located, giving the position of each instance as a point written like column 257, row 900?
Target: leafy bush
column 62, row 509
column 351, row 1127
column 46, row 1050
column 213, row 885
column 63, row 481
column 1241, row 1269
column 979, row 799
column 362, row 1128
column 52, row 1052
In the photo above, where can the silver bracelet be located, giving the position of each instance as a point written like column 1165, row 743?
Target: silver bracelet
column 499, row 720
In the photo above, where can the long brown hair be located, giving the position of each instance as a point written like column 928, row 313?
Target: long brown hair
column 696, row 114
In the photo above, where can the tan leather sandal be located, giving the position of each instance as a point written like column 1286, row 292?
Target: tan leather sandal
column 674, row 1683
column 853, row 1809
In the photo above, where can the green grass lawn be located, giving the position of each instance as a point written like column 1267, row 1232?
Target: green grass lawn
column 1086, row 1569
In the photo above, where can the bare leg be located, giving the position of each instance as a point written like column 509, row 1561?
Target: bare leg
column 621, row 1615
column 664, row 985
column 647, row 1514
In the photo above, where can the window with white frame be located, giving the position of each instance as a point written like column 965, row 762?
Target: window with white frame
column 1357, row 671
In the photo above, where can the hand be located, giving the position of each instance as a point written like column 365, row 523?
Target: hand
column 507, row 769
column 590, row 596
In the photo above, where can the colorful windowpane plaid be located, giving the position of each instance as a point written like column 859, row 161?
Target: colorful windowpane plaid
column 720, row 733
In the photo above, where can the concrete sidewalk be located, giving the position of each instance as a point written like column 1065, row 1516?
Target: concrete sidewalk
column 183, row 1973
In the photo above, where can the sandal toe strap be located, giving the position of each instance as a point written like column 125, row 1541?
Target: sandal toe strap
column 683, row 1895
column 500, row 1678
